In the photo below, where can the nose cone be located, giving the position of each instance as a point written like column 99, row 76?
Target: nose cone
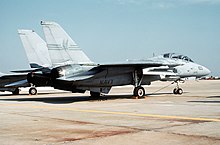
column 206, row 71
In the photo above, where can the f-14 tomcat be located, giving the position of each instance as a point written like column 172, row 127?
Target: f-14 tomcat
column 72, row 70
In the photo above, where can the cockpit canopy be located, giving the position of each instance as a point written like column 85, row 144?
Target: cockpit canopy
column 177, row 56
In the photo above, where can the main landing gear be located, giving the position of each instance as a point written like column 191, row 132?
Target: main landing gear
column 16, row 91
column 178, row 90
column 139, row 91
column 95, row 95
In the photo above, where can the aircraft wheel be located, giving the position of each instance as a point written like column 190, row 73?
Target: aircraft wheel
column 180, row 91
column 32, row 91
column 139, row 92
column 95, row 95
column 16, row 91
column 175, row 91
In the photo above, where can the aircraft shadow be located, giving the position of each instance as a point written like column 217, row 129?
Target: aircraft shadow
column 208, row 101
column 39, row 93
column 152, row 94
column 71, row 99
column 213, row 97
column 67, row 100
column 204, row 101
column 164, row 93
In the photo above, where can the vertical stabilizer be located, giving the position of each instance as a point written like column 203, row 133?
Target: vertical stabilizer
column 62, row 49
column 36, row 49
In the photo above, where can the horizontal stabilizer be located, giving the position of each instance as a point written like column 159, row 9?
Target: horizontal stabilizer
column 43, row 69
column 25, row 71
column 18, row 83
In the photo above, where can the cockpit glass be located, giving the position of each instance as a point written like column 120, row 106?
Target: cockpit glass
column 177, row 56
column 167, row 55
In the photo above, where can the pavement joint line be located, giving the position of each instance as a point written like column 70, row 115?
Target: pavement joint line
column 116, row 113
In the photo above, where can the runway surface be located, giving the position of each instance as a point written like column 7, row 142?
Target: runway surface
column 59, row 117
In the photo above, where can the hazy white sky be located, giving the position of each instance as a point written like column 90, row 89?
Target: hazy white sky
column 116, row 30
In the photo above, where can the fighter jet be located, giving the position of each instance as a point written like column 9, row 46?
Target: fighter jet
column 62, row 57
column 72, row 70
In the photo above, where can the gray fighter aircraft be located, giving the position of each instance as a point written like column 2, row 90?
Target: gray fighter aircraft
column 73, row 71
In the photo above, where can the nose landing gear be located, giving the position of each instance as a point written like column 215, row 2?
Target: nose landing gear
column 178, row 90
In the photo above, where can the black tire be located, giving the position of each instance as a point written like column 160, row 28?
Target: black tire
column 32, row 91
column 139, row 92
column 95, row 95
column 180, row 91
column 175, row 91
column 16, row 91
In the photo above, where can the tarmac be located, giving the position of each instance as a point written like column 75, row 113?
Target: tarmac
column 161, row 118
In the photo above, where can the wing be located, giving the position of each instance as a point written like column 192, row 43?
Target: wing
column 141, row 65
column 112, row 69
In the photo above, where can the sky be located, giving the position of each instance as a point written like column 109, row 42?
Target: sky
column 116, row 30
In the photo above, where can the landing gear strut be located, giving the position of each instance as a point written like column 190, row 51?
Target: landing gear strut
column 138, row 90
column 95, row 95
column 16, row 91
